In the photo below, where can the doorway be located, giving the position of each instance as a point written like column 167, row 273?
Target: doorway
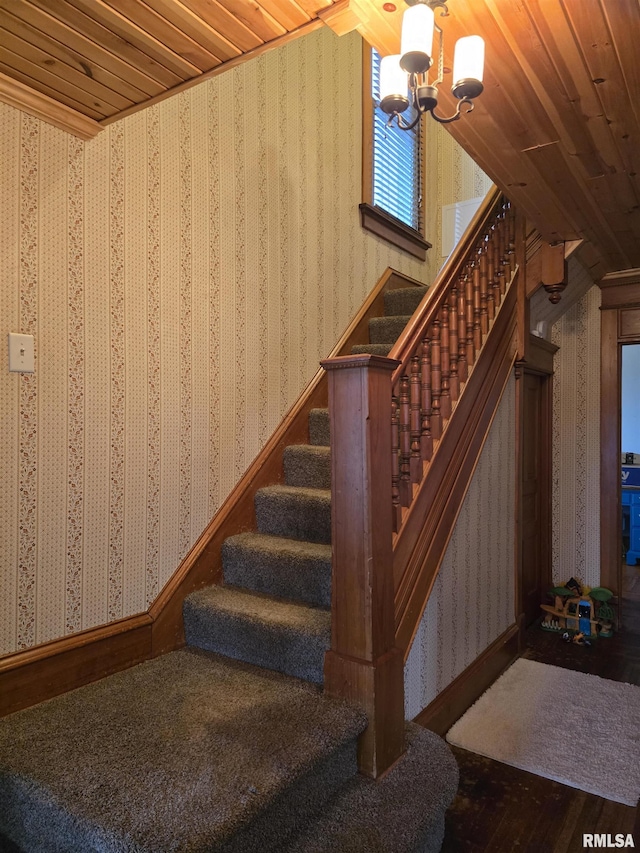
column 630, row 464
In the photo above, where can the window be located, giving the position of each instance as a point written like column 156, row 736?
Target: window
column 392, row 162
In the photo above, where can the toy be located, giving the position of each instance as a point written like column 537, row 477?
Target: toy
column 574, row 612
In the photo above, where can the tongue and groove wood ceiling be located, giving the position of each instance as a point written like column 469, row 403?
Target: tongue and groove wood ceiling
column 557, row 127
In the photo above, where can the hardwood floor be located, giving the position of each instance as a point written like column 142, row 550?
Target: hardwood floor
column 500, row 809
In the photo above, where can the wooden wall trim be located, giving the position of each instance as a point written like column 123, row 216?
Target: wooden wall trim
column 424, row 536
column 39, row 673
column 25, row 98
column 459, row 696
column 610, row 509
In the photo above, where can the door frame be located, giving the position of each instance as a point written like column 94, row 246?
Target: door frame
column 620, row 324
column 538, row 362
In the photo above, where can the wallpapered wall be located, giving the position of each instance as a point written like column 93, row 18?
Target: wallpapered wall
column 576, row 442
column 472, row 601
column 183, row 273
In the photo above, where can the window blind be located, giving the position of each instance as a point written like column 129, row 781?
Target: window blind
column 396, row 161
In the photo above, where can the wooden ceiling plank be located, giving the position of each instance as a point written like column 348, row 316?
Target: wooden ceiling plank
column 76, row 42
column 530, row 36
column 601, row 58
column 307, row 28
column 199, row 30
column 163, row 31
column 579, row 204
column 47, row 109
column 253, row 16
column 219, row 18
column 312, row 7
column 287, row 13
column 623, row 18
column 82, row 65
column 31, row 57
column 147, row 43
column 112, row 42
column 512, row 92
column 514, row 174
column 46, row 90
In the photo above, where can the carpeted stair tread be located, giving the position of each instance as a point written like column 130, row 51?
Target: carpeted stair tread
column 371, row 349
column 319, row 427
column 294, row 512
column 403, row 300
column 285, row 568
column 384, row 330
column 401, row 813
column 307, row 465
column 187, row 753
column 281, row 635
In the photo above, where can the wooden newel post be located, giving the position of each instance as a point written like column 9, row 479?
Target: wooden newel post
column 363, row 665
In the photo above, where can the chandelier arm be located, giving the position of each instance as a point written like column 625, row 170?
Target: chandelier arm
column 403, row 124
column 456, row 115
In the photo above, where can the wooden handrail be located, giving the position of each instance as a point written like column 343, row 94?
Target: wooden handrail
column 405, row 442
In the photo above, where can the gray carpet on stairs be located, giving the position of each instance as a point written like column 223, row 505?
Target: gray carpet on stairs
column 401, row 813
column 294, row 512
column 280, row 635
column 274, row 565
column 319, row 432
column 403, row 300
column 307, row 466
column 188, row 753
column 384, row 330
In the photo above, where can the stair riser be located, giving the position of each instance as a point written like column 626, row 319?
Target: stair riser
column 292, row 813
column 271, row 646
column 384, row 330
column 403, row 301
column 293, row 517
column 319, row 432
column 298, row 578
column 305, row 468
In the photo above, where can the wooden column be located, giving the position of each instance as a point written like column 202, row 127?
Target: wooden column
column 363, row 665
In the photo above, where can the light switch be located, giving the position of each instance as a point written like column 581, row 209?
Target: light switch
column 21, row 354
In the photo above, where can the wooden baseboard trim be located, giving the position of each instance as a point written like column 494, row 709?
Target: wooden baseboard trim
column 460, row 695
column 45, row 671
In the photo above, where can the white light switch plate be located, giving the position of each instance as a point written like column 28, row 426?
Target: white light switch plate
column 21, row 353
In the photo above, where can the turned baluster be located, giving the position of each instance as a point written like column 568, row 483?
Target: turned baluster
column 405, row 442
column 436, row 380
column 505, row 258
column 426, row 439
column 445, row 363
column 471, row 353
column 414, row 423
column 483, row 264
column 511, row 220
column 477, row 329
column 395, row 465
column 491, row 264
column 462, row 329
column 454, row 382
column 500, row 280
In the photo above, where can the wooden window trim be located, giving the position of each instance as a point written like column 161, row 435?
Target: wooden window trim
column 372, row 217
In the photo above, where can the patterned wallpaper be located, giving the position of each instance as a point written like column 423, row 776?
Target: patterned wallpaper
column 183, row 273
column 472, row 601
column 576, row 442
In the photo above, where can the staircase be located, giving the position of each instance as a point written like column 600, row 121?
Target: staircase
column 229, row 744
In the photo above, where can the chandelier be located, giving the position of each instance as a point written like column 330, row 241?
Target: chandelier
column 403, row 76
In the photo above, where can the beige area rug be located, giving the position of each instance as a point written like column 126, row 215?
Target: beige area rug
column 577, row 729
